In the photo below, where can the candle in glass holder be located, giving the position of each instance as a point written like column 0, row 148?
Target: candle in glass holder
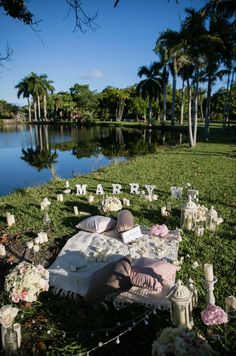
column 2, row 250
column 208, row 272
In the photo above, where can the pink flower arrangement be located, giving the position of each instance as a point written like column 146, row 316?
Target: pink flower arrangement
column 213, row 315
column 159, row 230
column 26, row 281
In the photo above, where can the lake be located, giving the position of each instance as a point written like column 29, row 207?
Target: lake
column 31, row 154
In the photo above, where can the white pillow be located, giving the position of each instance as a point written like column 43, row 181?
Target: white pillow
column 97, row 223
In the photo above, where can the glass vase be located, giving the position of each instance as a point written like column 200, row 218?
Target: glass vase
column 10, row 341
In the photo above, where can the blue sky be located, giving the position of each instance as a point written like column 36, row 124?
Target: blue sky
column 111, row 55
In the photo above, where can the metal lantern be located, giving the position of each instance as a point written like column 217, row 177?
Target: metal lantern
column 211, row 219
column 189, row 215
column 181, row 305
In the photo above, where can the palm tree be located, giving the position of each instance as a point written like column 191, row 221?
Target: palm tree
column 224, row 8
column 48, row 88
column 171, row 42
column 151, row 87
column 165, row 75
column 24, row 89
column 194, row 33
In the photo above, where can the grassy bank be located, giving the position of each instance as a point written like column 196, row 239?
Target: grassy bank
column 64, row 326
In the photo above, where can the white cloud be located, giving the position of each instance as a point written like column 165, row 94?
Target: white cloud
column 92, row 74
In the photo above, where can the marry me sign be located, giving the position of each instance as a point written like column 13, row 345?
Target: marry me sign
column 116, row 189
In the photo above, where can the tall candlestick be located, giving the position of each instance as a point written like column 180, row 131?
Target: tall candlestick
column 208, row 272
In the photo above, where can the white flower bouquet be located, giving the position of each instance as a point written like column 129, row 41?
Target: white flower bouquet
column 179, row 342
column 26, row 281
column 110, row 204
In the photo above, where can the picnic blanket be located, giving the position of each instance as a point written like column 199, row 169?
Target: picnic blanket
column 85, row 252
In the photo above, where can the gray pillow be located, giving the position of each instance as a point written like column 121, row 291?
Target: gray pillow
column 97, row 223
column 112, row 278
column 125, row 221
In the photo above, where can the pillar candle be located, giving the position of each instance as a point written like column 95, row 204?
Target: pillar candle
column 230, row 304
column 42, row 205
column 37, row 240
column 36, row 248
column 163, row 211
column 40, row 238
column 67, row 184
column 44, row 237
column 10, row 219
column 76, row 211
column 29, row 244
column 2, row 250
column 90, row 198
column 208, row 272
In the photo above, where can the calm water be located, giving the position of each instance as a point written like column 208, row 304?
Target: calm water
column 29, row 155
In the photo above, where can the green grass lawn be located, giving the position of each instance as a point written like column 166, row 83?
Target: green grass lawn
column 64, row 327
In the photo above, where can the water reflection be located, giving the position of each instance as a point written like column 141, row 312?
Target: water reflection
column 36, row 152
column 39, row 158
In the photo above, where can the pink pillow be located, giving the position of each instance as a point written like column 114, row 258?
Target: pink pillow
column 152, row 274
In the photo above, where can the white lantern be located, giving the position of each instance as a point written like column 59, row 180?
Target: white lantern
column 189, row 215
column 181, row 305
column 211, row 219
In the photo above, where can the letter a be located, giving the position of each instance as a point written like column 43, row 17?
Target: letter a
column 99, row 190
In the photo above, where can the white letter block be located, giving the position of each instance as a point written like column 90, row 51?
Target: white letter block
column 116, row 188
column 150, row 188
column 99, row 190
column 134, row 188
column 81, row 189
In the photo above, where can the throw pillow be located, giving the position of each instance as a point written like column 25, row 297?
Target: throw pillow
column 152, row 274
column 112, row 278
column 125, row 221
column 97, row 223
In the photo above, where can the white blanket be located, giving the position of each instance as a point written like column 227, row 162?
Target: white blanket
column 86, row 252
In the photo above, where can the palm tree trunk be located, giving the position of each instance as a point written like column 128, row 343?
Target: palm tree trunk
column 173, row 93
column 208, row 105
column 45, row 107
column 195, row 111
column 150, row 112
column 190, row 115
column 35, row 111
column 164, row 103
column 226, row 103
column 182, row 104
column 230, row 97
column 39, row 108
column 29, row 109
